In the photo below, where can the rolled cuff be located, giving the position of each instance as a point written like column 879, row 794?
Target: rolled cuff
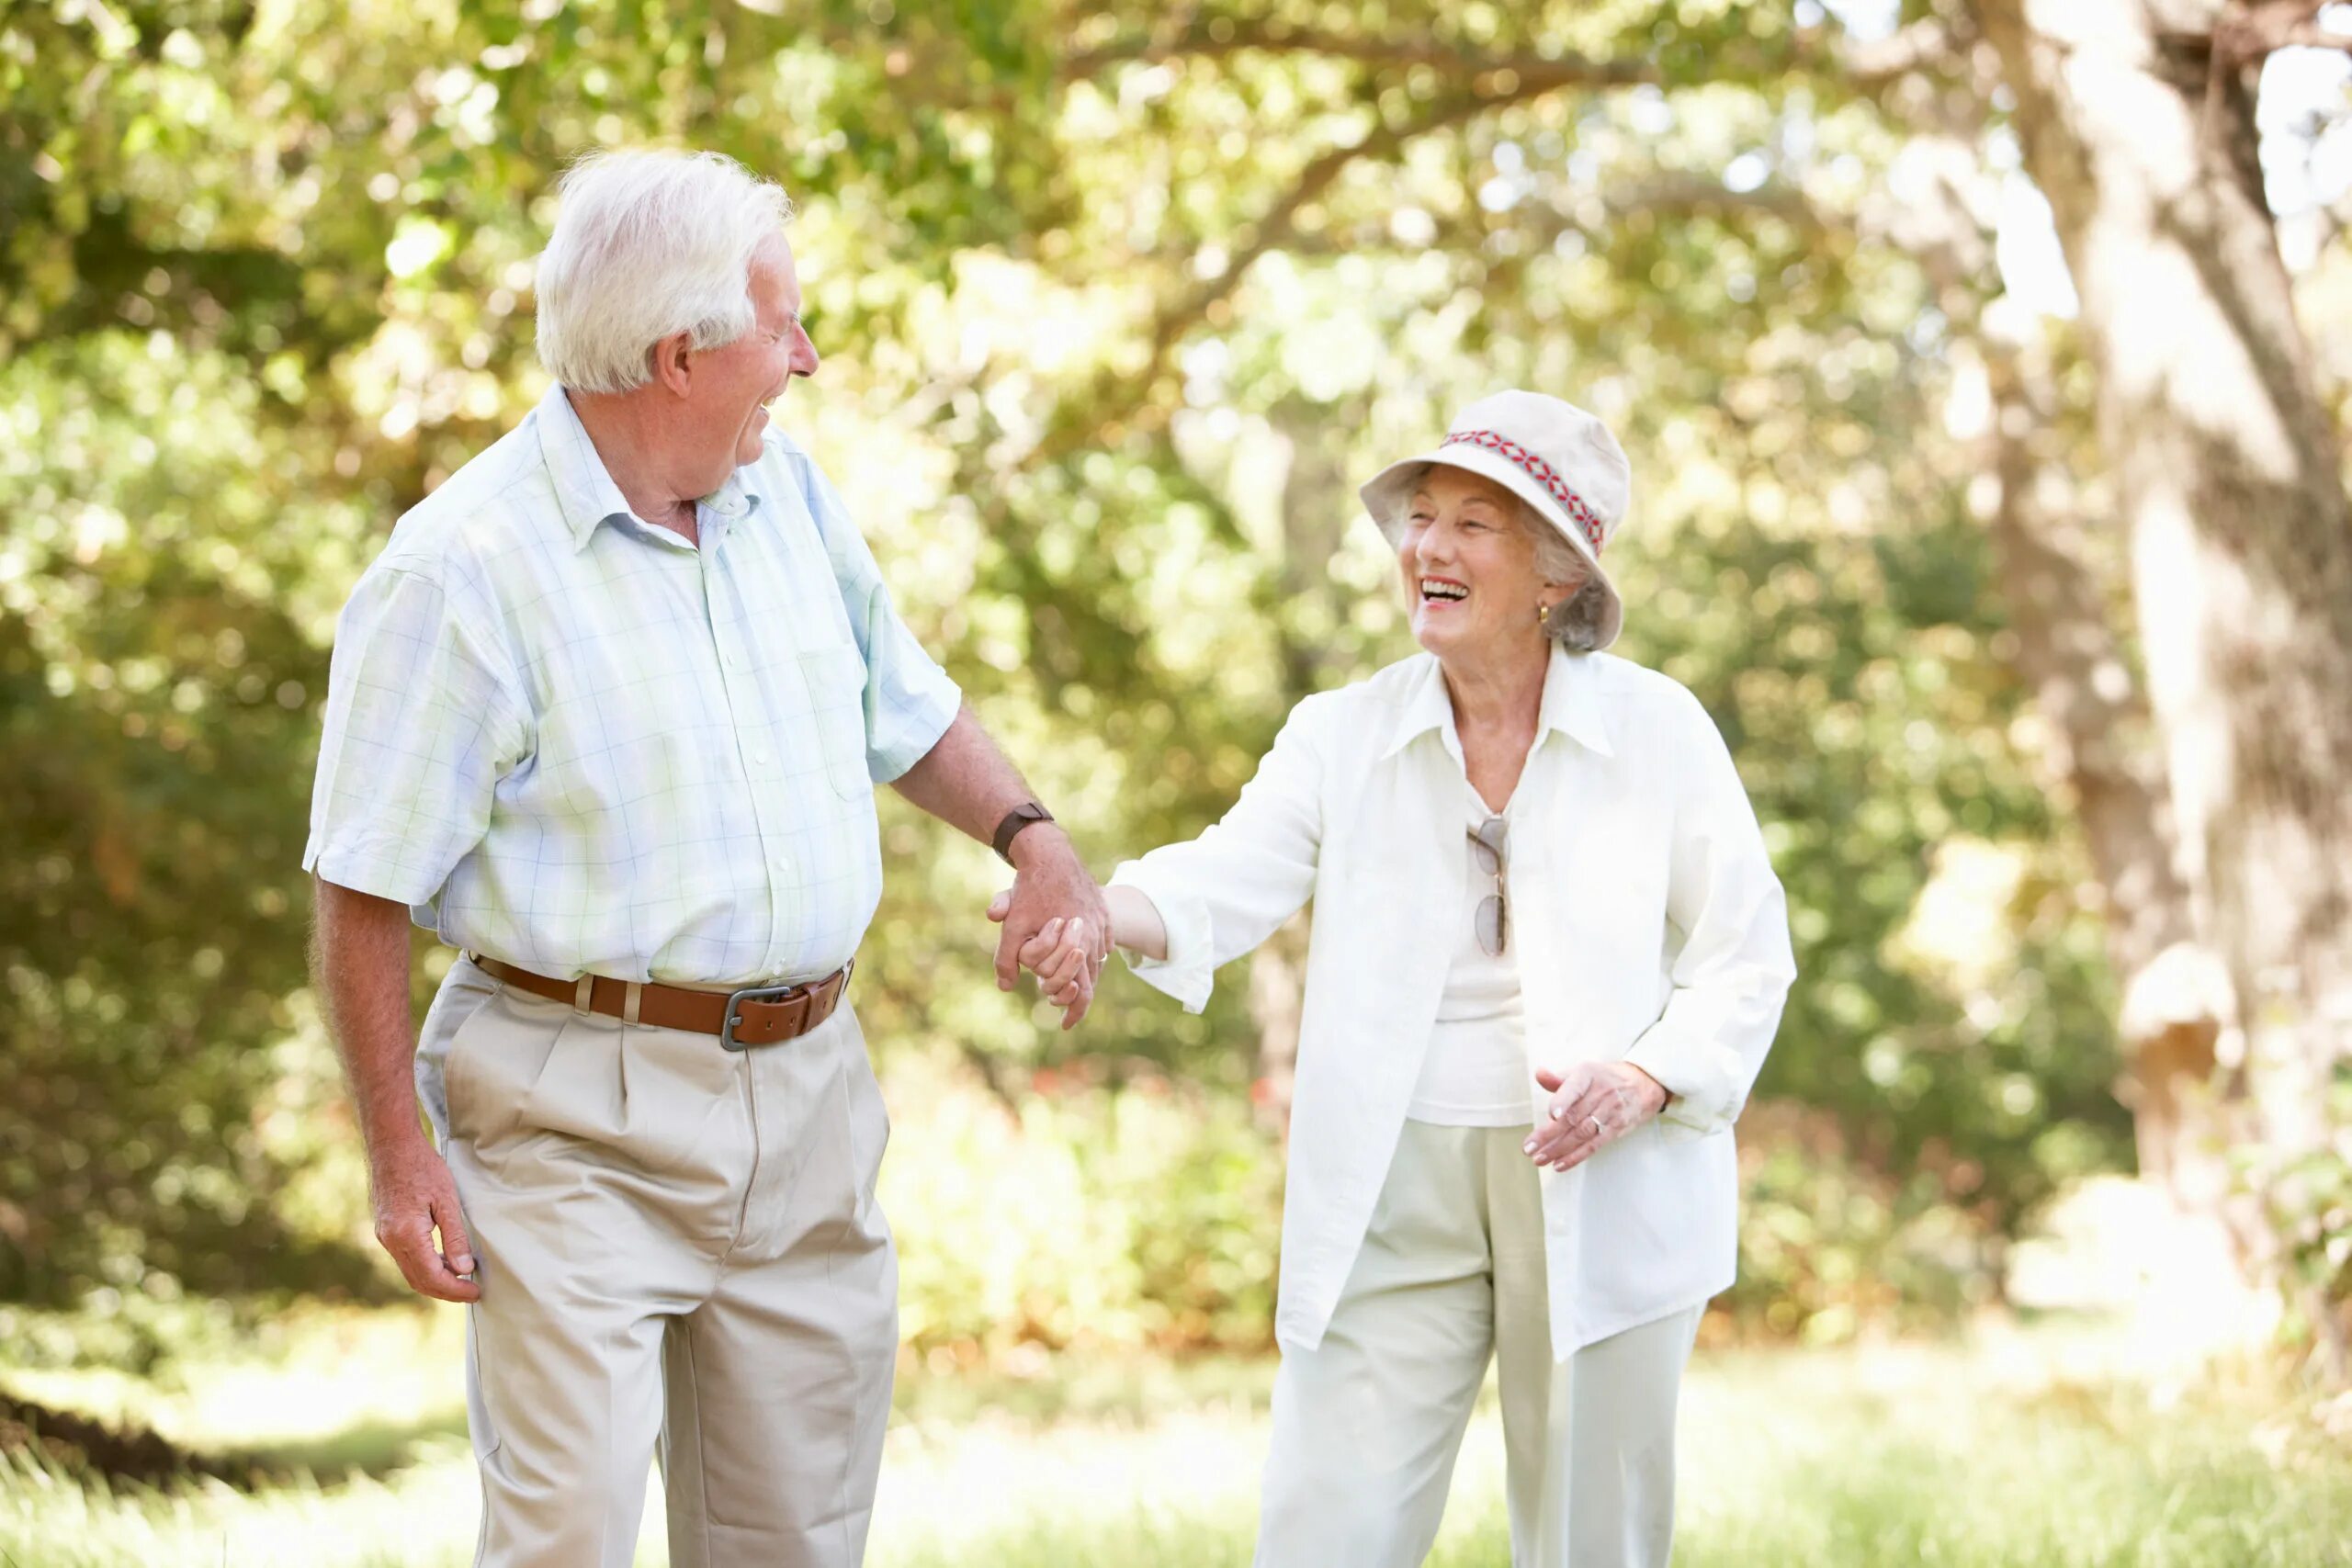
column 919, row 714
column 1704, row 1079
column 1186, row 974
column 381, row 869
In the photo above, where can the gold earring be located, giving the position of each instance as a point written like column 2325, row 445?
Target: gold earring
column 1543, row 611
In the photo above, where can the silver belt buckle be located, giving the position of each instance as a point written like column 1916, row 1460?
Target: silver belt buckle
column 736, row 998
column 727, row 1040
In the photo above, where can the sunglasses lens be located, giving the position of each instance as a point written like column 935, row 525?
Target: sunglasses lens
column 1490, row 925
column 1487, row 839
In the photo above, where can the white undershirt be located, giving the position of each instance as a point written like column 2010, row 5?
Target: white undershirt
column 1476, row 1074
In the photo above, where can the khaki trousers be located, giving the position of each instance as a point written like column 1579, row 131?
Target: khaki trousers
column 1367, row 1424
column 677, row 1246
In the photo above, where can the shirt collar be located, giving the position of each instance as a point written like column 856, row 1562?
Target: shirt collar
column 1571, row 705
column 1426, row 707
column 584, row 486
column 1572, row 701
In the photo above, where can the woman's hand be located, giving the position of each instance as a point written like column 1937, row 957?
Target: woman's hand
column 1054, row 954
column 1062, row 957
column 1593, row 1104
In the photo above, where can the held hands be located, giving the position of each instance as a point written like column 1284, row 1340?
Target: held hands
column 1051, row 909
column 1062, row 955
column 1593, row 1105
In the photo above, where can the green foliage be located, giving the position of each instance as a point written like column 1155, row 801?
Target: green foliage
column 158, row 648
column 2310, row 1202
column 1143, row 1218
column 1831, row 1247
column 1118, row 304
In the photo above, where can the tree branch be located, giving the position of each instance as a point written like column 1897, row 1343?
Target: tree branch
column 1276, row 229
column 1280, row 224
column 1910, row 49
column 2255, row 29
column 1220, row 37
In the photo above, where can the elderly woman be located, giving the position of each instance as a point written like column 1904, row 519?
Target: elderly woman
column 1549, row 955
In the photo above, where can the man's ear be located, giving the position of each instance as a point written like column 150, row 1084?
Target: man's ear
column 673, row 361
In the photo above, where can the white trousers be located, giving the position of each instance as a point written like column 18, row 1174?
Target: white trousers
column 1367, row 1424
column 678, row 1246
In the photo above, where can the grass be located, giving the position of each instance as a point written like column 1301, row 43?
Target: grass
column 2008, row 1449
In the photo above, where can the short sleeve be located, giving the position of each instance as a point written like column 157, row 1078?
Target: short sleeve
column 423, row 717
column 909, row 700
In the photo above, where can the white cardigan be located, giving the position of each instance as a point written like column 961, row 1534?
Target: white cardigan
column 1649, row 925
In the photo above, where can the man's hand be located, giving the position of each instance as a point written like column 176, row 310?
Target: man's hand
column 1593, row 1105
column 1050, row 882
column 413, row 1196
column 965, row 781
column 361, row 961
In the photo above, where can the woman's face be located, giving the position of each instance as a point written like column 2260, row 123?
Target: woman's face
column 1469, row 568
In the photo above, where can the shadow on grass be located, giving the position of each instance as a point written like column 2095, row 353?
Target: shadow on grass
column 69, row 1444
column 372, row 1449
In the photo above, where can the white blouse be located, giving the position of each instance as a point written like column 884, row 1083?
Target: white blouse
column 1649, row 925
column 1476, row 1072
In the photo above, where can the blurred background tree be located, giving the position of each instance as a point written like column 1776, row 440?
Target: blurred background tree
column 1119, row 302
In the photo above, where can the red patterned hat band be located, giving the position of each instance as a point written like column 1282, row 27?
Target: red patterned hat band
column 1542, row 472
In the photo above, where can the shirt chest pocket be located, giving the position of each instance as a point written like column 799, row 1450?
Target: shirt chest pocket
column 835, row 676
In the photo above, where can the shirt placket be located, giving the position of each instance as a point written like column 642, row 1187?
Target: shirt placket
column 757, row 744
column 1537, row 891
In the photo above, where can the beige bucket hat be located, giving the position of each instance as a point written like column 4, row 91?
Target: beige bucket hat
column 1559, row 460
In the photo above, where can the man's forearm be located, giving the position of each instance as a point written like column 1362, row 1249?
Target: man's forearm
column 359, row 960
column 965, row 780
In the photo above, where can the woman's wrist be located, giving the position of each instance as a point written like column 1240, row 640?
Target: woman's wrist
column 1135, row 924
column 1659, row 1095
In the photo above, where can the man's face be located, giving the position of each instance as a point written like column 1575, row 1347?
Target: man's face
column 733, row 385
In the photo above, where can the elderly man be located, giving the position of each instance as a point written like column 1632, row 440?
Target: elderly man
column 607, row 714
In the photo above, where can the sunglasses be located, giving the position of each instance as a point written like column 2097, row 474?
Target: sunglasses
column 1493, row 920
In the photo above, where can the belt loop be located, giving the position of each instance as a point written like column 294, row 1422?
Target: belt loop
column 630, row 1001
column 583, row 995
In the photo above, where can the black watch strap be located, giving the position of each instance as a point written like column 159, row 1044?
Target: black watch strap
column 1019, row 817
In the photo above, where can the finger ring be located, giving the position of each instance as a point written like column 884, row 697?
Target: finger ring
column 1597, row 1128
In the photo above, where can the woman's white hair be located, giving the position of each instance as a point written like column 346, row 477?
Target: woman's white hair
column 1575, row 620
column 648, row 245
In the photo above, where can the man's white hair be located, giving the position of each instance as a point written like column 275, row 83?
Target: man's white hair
column 646, row 245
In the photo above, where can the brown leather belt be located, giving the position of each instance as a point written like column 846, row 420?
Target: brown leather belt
column 756, row 1015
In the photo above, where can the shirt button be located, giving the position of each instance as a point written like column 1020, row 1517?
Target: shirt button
column 760, row 759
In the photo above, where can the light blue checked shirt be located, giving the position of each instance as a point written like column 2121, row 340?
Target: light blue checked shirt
column 574, row 741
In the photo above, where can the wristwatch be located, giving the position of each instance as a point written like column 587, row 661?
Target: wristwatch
column 1019, row 817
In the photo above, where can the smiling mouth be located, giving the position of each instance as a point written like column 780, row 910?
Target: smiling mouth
column 1443, row 591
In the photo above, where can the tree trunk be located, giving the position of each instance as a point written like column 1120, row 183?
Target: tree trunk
column 2100, row 748
column 2226, row 463
column 2176, row 997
